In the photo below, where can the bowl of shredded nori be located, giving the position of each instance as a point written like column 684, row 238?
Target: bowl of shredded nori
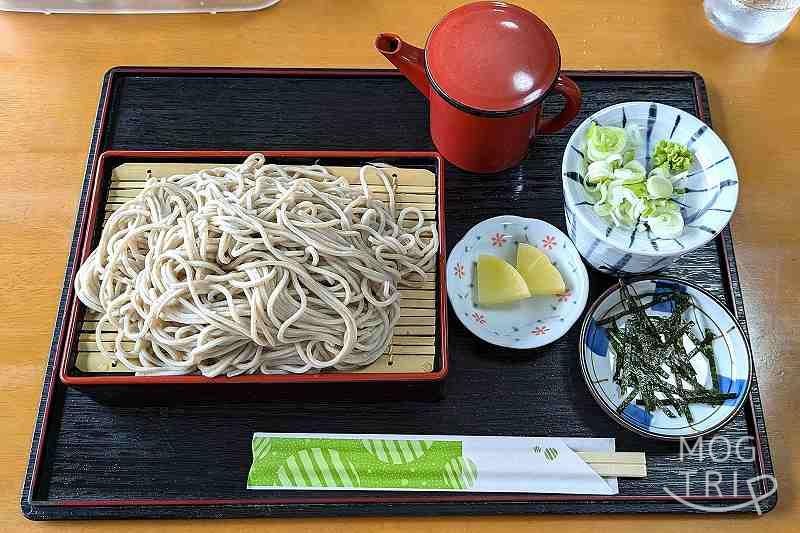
column 665, row 358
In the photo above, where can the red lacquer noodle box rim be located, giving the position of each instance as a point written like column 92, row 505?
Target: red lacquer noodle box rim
column 67, row 337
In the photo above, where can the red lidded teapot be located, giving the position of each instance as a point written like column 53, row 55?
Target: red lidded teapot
column 485, row 69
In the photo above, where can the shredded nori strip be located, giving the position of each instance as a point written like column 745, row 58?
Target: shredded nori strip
column 712, row 399
column 646, row 344
column 657, row 299
column 627, row 400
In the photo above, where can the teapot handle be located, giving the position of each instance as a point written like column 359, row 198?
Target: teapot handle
column 572, row 105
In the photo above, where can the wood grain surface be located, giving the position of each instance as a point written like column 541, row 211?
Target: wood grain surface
column 50, row 71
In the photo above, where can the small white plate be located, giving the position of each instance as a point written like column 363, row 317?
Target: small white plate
column 731, row 356
column 532, row 322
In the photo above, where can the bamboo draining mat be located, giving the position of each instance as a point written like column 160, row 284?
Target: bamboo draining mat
column 413, row 346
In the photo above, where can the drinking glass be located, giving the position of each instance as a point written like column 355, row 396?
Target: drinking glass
column 751, row 21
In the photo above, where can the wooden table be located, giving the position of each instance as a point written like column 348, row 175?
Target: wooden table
column 50, row 72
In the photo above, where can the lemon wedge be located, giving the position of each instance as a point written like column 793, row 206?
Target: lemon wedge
column 499, row 282
column 541, row 277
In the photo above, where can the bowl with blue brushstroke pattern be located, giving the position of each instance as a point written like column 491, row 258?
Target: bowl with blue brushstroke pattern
column 730, row 374
column 712, row 189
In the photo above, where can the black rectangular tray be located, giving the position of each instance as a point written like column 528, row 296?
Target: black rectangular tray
column 174, row 458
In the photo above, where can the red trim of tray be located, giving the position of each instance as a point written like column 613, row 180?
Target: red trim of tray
column 416, row 498
column 74, row 310
column 378, row 498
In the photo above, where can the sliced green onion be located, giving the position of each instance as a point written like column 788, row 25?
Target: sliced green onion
column 603, row 142
column 658, row 187
column 598, row 171
column 667, row 225
column 661, row 171
column 603, row 209
column 622, row 189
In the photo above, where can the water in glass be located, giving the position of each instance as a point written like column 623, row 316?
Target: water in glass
column 751, row 21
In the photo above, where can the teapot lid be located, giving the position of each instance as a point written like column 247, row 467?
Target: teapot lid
column 492, row 58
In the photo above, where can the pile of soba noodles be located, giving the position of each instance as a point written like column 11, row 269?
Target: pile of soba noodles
column 261, row 268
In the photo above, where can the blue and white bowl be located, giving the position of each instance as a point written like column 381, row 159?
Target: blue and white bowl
column 732, row 358
column 533, row 322
column 712, row 191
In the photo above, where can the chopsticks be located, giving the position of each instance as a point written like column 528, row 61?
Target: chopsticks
column 616, row 464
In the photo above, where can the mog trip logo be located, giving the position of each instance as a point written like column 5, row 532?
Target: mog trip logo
column 709, row 483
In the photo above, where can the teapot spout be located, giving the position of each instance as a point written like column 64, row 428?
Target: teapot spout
column 409, row 59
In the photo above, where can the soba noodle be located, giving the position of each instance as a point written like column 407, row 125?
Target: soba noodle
column 258, row 268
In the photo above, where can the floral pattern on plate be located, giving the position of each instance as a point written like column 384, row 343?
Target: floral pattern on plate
column 533, row 322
